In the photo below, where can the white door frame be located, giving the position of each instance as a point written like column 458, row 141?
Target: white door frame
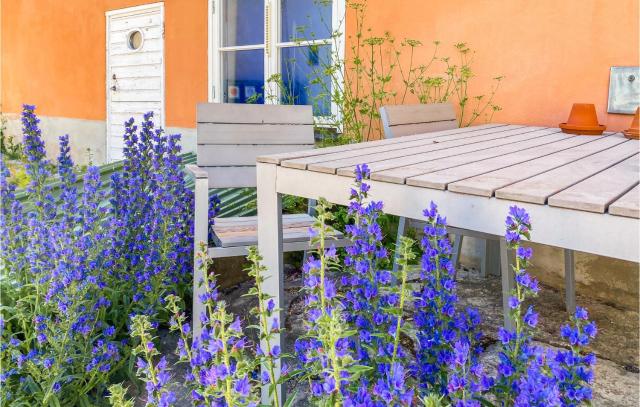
column 123, row 12
column 271, row 64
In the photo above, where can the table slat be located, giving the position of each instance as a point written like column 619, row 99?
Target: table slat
column 594, row 194
column 415, row 154
column 451, row 159
column 426, row 142
column 628, row 205
column 279, row 158
column 537, row 189
column 503, row 171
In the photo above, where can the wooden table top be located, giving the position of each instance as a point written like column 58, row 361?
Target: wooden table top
column 517, row 163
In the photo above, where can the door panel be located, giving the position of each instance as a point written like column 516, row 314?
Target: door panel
column 135, row 70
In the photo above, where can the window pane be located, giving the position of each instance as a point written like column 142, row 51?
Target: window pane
column 306, row 19
column 243, row 22
column 243, row 76
column 303, row 77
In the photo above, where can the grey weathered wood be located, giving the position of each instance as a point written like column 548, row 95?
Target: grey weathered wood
column 238, row 231
column 200, row 235
column 420, row 154
column 509, row 169
column 296, row 246
column 231, row 177
column 404, row 120
column 558, row 227
column 566, row 228
column 508, row 282
column 222, row 155
column 628, row 205
column 278, row 158
column 270, row 247
column 457, row 250
column 569, row 281
column 419, row 128
column 595, row 193
column 231, row 133
column 197, row 171
column 420, row 173
column 239, row 113
column 492, row 257
column 231, row 136
column 343, row 158
column 539, row 188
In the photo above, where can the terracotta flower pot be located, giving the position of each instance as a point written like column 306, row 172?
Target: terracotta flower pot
column 634, row 131
column 583, row 120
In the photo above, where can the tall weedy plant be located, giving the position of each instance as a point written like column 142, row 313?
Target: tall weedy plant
column 58, row 345
column 378, row 70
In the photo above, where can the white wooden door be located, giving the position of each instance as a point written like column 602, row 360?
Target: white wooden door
column 135, row 70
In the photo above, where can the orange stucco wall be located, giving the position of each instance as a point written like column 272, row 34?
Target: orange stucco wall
column 53, row 56
column 552, row 52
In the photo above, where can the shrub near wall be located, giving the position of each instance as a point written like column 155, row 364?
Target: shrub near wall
column 76, row 264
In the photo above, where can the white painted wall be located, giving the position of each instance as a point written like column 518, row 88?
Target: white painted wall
column 86, row 137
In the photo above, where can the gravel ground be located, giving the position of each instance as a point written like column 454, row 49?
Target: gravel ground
column 617, row 379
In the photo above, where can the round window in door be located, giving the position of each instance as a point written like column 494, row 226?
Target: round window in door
column 135, row 40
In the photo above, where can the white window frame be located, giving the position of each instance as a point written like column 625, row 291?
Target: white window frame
column 272, row 59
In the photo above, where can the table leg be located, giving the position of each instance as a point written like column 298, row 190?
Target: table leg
column 493, row 257
column 508, row 282
column 569, row 281
column 270, row 247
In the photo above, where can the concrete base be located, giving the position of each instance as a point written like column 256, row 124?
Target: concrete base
column 609, row 280
column 87, row 137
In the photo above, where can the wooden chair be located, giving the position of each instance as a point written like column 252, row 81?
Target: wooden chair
column 405, row 120
column 229, row 138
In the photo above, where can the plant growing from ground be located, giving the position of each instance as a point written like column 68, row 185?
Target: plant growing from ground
column 9, row 148
column 379, row 70
column 72, row 265
column 372, row 340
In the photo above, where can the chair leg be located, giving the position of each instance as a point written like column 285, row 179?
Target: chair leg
column 492, row 257
column 508, row 282
column 569, row 281
column 402, row 226
column 456, row 250
column 200, row 234
column 483, row 257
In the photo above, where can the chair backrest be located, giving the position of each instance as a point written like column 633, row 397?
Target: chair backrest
column 231, row 136
column 405, row 120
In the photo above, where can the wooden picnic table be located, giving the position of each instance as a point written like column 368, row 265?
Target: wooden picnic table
column 581, row 191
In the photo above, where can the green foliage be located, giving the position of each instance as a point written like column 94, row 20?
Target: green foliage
column 382, row 70
column 118, row 396
column 9, row 148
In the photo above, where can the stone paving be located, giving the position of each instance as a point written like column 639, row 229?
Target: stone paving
column 617, row 377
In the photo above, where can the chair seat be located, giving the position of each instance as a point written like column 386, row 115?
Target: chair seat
column 243, row 231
